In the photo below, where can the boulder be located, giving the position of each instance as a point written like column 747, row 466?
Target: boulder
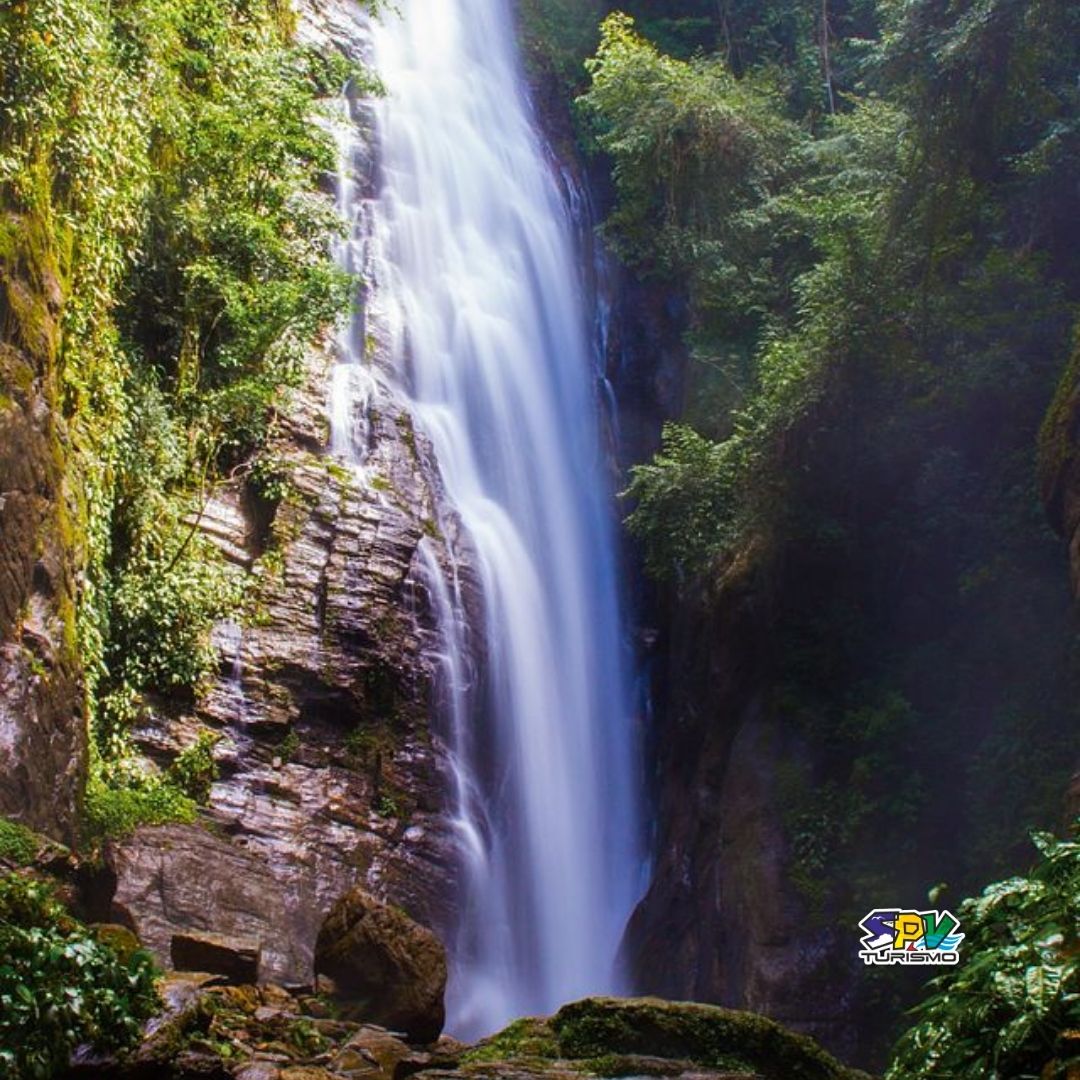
column 385, row 968
column 705, row 1035
column 237, row 959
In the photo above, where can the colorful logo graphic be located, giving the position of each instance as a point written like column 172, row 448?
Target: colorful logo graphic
column 894, row 936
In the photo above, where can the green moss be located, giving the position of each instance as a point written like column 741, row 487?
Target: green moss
column 1057, row 447
column 18, row 844
column 530, row 1037
column 118, row 938
column 388, row 805
column 618, row 1065
column 339, row 472
column 116, row 807
column 408, row 435
column 597, row 1028
column 368, row 744
column 289, row 747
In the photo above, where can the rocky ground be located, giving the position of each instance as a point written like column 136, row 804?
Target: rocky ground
column 214, row 1032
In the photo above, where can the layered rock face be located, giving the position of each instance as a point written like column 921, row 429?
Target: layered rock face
column 42, row 726
column 330, row 771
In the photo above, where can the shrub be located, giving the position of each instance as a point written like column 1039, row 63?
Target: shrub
column 59, row 987
column 119, row 801
column 194, row 770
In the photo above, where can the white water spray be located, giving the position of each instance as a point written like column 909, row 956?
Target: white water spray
column 473, row 279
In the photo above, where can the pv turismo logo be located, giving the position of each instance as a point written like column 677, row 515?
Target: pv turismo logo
column 895, row 936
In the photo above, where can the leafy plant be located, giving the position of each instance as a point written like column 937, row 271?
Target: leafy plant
column 1011, row 1008
column 60, row 987
column 194, row 770
column 121, row 798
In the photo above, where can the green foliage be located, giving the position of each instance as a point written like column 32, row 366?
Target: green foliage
column 682, row 496
column 117, row 803
column 694, row 152
column 161, row 613
column 289, row 747
column 194, row 769
column 161, row 175
column 60, row 987
column 1012, row 1006
column 700, row 497
column 558, row 35
column 18, row 844
column 239, row 278
column 121, row 794
column 880, row 296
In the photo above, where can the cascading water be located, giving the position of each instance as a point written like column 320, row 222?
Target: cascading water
column 473, row 280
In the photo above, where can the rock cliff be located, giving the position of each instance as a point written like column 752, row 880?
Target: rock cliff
column 1059, row 461
column 42, row 724
column 722, row 920
column 332, row 772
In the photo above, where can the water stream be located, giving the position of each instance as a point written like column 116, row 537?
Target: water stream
column 474, row 277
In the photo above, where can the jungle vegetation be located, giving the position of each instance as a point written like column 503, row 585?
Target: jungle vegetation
column 870, row 208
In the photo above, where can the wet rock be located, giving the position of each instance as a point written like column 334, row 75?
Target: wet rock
column 180, row 878
column 277, row 997
column 385, row 967
column 1059, row 460
column 43, row 746
column 237, row 959
column 723, row 921
column 376, row 1051
column 330, row 774
column 418, row 1061
column 42, row 723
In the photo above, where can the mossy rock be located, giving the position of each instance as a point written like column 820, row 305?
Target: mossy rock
column 526, row 1039
column 603, row 1028
column 118, row 938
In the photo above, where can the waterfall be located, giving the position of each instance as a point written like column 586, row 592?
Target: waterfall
column 474, row 286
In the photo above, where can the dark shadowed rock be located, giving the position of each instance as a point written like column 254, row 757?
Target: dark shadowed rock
column 722, row 921
column 385, row 967
column 235, row 958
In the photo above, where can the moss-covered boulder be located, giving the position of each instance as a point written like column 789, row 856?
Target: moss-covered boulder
column 649, row 1036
